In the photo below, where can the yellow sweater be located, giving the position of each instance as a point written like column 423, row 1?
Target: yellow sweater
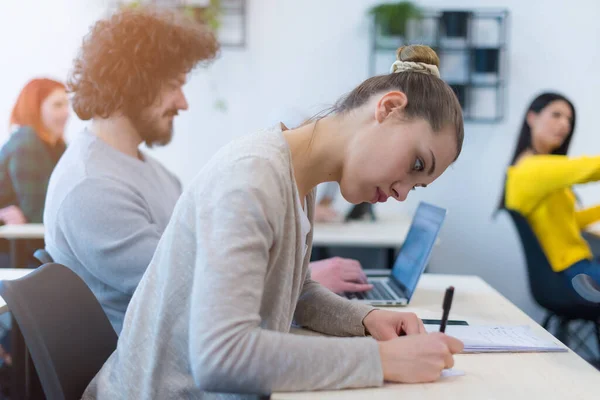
column 539, row 187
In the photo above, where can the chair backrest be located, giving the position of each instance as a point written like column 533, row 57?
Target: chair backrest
column 549, row 289
column 65, row 329
column 43, row 256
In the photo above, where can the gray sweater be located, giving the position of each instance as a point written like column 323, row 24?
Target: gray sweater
column 105, row 213
column 214, row 310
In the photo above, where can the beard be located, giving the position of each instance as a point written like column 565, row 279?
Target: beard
column 152, row 129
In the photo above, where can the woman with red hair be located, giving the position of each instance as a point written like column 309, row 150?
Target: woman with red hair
column 26, row 163
column 32, row 151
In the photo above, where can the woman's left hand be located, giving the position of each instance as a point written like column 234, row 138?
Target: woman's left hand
column 386, row 325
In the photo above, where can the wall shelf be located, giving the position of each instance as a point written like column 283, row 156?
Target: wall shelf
column 234, row 20
column 233, row 15
column 471, row 45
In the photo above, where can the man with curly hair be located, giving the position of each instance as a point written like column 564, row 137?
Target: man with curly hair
column 108, row 202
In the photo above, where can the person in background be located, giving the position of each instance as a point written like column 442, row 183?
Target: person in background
column 326, row 194
column 29, row 156
column 539, row 184
column 230, row 276
column 32, row 151
column 27, row 159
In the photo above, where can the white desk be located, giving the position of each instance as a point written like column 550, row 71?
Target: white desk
column 488, row 376
column 8, row 274
column 25, row 231
column 16, row 234
column 386, row 232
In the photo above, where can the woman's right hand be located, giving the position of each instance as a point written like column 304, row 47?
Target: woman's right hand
column 418, row 358
column 12, row 215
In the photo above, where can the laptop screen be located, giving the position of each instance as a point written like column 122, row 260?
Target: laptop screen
column 417, row 247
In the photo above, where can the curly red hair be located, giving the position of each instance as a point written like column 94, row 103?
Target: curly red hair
column 125, row 59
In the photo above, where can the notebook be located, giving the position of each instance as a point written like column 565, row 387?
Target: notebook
column 499, row 339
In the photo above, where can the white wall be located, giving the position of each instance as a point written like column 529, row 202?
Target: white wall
column 40, row 38
column 304, row 55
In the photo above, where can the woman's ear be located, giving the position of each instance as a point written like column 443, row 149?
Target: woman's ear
column 389, row 103
column 531, row 118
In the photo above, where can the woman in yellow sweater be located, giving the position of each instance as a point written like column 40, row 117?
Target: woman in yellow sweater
column 538, row 185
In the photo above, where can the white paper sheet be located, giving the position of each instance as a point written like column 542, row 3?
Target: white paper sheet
column 483, row 339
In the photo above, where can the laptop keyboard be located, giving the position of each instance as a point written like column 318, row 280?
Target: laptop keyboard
column 379, row 292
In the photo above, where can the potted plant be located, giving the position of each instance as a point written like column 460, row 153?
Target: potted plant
column 207, row 11
column 392, row 20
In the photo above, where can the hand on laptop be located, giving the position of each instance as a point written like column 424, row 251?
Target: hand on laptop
column 387, row 325
column 340, row 275
column 418, row 358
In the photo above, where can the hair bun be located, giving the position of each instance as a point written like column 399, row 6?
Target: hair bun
column 416, row 58
column 418, row 53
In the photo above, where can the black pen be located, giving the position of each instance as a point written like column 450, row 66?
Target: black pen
column 446, row 307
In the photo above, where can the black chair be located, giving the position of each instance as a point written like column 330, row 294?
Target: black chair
column 43, row 256
column 553, row 292
column 64, row 327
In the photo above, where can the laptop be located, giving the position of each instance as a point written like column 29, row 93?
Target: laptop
column 397, row 288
